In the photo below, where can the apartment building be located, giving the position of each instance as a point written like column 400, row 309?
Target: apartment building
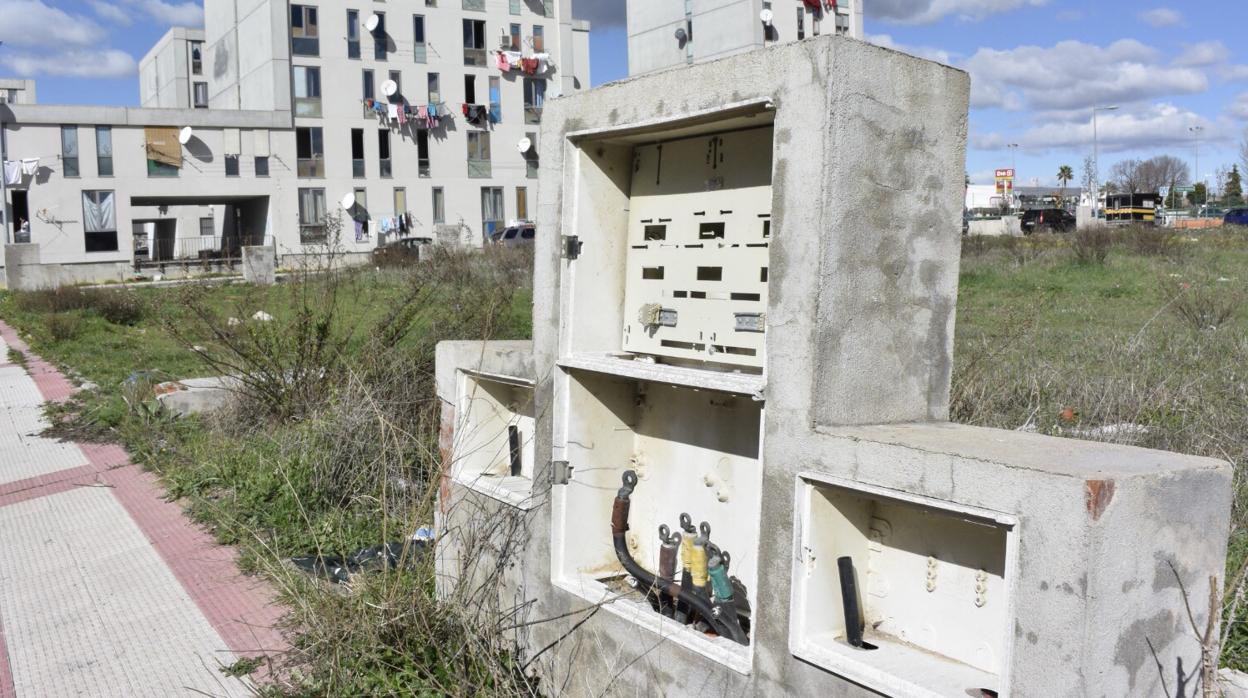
column 667, row 33
column 277, row 116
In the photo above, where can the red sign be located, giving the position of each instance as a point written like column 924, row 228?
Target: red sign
column 1005, row 174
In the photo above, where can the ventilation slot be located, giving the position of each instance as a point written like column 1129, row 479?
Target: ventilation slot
column 688, row 346
column 710, row 273
column 762, row 276
column 746, row 297
column 656, row 232
column 711, row 231
column 652, row 273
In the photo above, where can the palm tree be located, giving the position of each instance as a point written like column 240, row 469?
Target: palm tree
column 1064, row 174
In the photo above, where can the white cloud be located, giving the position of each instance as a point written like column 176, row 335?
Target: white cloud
column 1153, row 127
column 184, row 14
column 73, row 63
column 1075, row 75
column 1203, row 54
column 1161, row 17
column 1239, row 108
column 927, row 11
column 1234, row 73
column 111, row 12
column 32, row 23
column 932, row 54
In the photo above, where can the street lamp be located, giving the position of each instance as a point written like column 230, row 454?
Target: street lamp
column 1196, row 134
column 1096, row 161
column 1013, row 147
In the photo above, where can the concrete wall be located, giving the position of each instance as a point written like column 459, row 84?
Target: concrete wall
column 165, row 73
column 17, row 91
column 864, row 262
column 248, row 54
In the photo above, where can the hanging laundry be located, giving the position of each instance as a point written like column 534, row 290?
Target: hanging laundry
column 831, row 5
column 30, row 166
column 500, row 60
column 392, row 111
column 359, row 230
column 368, row 103
column 813, row 5
column 402, row 115
column 12, row 172
column 496, row 113
column 402, row 225
column 529, row 65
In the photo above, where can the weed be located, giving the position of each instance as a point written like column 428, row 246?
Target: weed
column 1203, row 303
column 1092, row 245
column 243, row 667
column 63, row 327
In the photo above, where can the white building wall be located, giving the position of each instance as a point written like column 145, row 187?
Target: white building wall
column 17, row 91
column 722, row 28
column 166, row 75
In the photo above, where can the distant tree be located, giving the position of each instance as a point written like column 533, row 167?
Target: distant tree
column 1243, row 150
column 1233, row 188
column 1199, row 194
column 1147, row 176
column 1064, row 174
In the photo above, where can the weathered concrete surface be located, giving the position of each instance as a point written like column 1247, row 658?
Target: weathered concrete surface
column 260, row 265
column 510, row 358
column 196, row 395
column 867, row 181
column 22, row 270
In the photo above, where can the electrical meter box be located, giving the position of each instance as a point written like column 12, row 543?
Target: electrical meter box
column 494, row 438
column 699, row 229
column 930, row 582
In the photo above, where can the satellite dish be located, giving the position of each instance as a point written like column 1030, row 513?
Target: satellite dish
column 389, row 87
column 766, row 16
column 524, row 145
column 372, row 22
column 184, row 136
column 348, row 200
column 681, row 35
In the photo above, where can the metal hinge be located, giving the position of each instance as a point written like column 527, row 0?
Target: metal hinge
column 571, row 246
column 560, row 472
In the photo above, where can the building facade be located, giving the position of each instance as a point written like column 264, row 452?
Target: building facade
column 17, row 91
column 667, row 33
column 300, row 112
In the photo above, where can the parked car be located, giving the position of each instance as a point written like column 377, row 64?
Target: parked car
column 403, row 251
column 1236, row 216
column 515, row 236
column 1050, row 220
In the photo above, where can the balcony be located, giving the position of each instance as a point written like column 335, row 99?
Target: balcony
column 307, row 107
column 479, row 169
column 422, row 168
column 311, row 167
column 385, row 168
column 475, row 57
column 357, row 168
column 532, row 115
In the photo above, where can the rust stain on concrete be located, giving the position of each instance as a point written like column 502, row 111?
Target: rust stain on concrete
column 1100, row 493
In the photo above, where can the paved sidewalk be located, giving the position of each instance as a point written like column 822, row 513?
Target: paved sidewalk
column 105, row 588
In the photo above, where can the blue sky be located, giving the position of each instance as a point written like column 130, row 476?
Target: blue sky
column 1037, row 68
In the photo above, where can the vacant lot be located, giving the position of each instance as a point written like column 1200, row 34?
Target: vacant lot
column 1138, row 339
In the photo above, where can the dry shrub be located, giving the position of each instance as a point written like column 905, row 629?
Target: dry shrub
column 63, row 327
column 1024, row 250
column 118, row 306
column 1153, row 241
column 1204, row 302
column 1092, row 245
column 975, row 245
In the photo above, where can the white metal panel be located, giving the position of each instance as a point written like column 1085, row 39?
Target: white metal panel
column 262, row 143
column 233, row 142
column 699, row 238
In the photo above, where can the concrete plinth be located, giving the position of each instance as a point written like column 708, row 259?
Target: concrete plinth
column 260, row 265
column 22, row 269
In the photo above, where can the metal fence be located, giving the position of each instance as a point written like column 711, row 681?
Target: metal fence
column 202, row 249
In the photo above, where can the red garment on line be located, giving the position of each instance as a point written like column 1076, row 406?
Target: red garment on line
column 813, row 5
column 831, row 5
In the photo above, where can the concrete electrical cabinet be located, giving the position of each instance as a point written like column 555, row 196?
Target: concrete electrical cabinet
column 744, row 295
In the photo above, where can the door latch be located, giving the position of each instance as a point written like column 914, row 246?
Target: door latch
column 560, row 472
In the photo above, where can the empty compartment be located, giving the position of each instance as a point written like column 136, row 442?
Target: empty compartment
column 694, row 452
column 931, row 581
column 493, row 447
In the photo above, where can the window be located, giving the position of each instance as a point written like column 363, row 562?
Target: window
column 69, row 151
column 435, row 90
column 383, row 151
column 530, row 158
column 357, row 152
column 522, row 203
column 396, row 76
column 548, row 8
column 515, row 37
column 231, row 165
column 370, row 90
column 200, row 95
column 307, row 91
column 353, row 33
column 400, row 201
column 496, row 100
column 801, row 22
column 99, row 221
column 304, row 33
column 197, row 58
column 422, row 153
column 539, row 39
column 534, row 99
column 431, row 3
column 361, row 201
column 311, row 215
column 379, row 37
column 514, row 7
column 470, row 89
column 439, row 206
column 207, row 227
column 478, row 154
column 262, row 165
column 104, row 151
column 474, row 42
column 418, row 38
column 493, row 215
column 310, row 152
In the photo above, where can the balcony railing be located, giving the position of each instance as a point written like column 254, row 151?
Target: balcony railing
column 479, row 169
column 357, row 168
column 385, row 168
column 307, row 107
column 474, row 56
column 311, row 167
column 532, row 115
column 202, row 249
column 475, row 5
column 422, row 168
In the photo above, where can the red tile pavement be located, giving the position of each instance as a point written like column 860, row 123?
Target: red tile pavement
column 243, row 610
